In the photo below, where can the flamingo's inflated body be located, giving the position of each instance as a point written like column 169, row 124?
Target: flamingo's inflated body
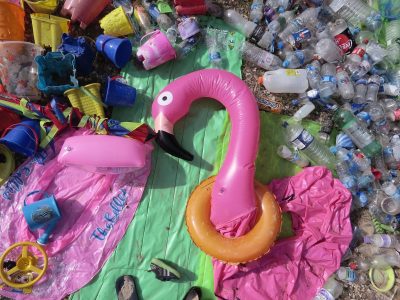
column 233, row 192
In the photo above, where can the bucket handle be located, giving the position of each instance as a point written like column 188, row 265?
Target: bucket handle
column 92, row 96
column 147, row 34
column 27, row 126
column 35, row 192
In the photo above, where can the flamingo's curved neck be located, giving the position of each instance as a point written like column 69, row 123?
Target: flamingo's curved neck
column 233, row 192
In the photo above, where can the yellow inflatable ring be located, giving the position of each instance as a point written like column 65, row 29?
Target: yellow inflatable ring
column 26, row 262
column 254, row 244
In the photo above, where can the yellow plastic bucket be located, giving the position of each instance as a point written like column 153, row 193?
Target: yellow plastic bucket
column 44, row 6
column 48, row 29
column 116, row 23
column 12, row 24
column 87, row 99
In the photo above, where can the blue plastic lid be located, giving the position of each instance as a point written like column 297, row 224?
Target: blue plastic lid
column 285, row 63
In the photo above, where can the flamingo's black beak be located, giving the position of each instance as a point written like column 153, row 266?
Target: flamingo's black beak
column 169, row 144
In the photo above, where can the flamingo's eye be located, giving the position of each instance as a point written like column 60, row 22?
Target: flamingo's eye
column 165, row 98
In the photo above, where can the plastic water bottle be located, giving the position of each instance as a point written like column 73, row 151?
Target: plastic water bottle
column 293, row 157
column 327, row 49
column 357, row 54
column 332, row 290
column 378, row 116
column 237, row 21
column 389, row 90
column 361, row 91
column 256, row 34
column 256, row 11
column 372, row 88
column 375, row 52
column 298, row 58
column 345, row 86
column 172, row 34
column 304, row 111
column 362, row 69
column 314, row 74
column 212, row 42
column 285, row 81
column 260, row 57
column 308, row 145
column 383, row 241
column 186, row 46
column 143, row 18
column 307, row 16
column 346, row 178
column 327, row 86
column 357, row 13
column 391, row 190
column 383, row 261
column 349, row 275
column 359, row 134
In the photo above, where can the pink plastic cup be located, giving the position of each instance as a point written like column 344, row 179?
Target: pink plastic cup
column 156, row 50
column 83, row 11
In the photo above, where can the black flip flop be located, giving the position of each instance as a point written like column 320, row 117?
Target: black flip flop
column 125, row 288
column 194, row 293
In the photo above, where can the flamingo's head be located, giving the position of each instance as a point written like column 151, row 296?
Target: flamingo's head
column 169, row 106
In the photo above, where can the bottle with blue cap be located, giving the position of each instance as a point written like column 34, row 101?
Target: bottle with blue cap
column 314, row 74
column 327, row 85
column 360, row 91
column 297, row 58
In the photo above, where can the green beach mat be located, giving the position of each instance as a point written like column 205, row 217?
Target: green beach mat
column 158, row 228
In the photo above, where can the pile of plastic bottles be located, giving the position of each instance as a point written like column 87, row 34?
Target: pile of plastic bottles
column 339, row 56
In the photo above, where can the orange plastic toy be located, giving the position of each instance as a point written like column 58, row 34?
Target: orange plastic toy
column 12, row 25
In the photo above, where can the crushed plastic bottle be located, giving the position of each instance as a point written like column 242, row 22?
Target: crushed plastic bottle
column 256, row 11
column 293, row 157
column 260, row 57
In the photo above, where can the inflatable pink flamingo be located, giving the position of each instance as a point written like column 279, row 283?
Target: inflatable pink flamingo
column 234, row 192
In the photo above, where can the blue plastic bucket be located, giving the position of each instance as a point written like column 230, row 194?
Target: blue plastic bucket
column 23, row 138
column 119, row 51
column 119, row 94
column 84, row 54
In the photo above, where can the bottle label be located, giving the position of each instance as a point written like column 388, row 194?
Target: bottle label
column 358, row 51
column 311, row 68
column 323, row 294
column 350, row 275
column 257, row 34
column 303, row 140
column 328, row 78
column 292, row 72
column 301, row 35
column 344, row 80
column 345, row 41
column 215, row 56
column 386, row 241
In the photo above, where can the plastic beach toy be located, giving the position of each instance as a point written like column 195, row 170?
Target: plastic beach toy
column 233, row 192
column 42, row 214
column 7, row 163
column 8, row 118
column 156, row 50
column 44, row 6
column 87, row 99
column 18, row 70
column 117, row 50
column 22, row 138
column 382, row 280
column 83, row 51
column 117, row 23
column 119, row 93
column 12, row 24
column 92, row 152
column 27, row 264
column 83, row 11
column 47, row 29
column 56, row 72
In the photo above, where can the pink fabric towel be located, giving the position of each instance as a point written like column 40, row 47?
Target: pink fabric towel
column 298, row 266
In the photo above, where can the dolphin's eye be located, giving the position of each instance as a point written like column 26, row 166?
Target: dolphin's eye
column 165, row 98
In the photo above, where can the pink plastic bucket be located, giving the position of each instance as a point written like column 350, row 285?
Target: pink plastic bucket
column 156, row 50
column 84, row 11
